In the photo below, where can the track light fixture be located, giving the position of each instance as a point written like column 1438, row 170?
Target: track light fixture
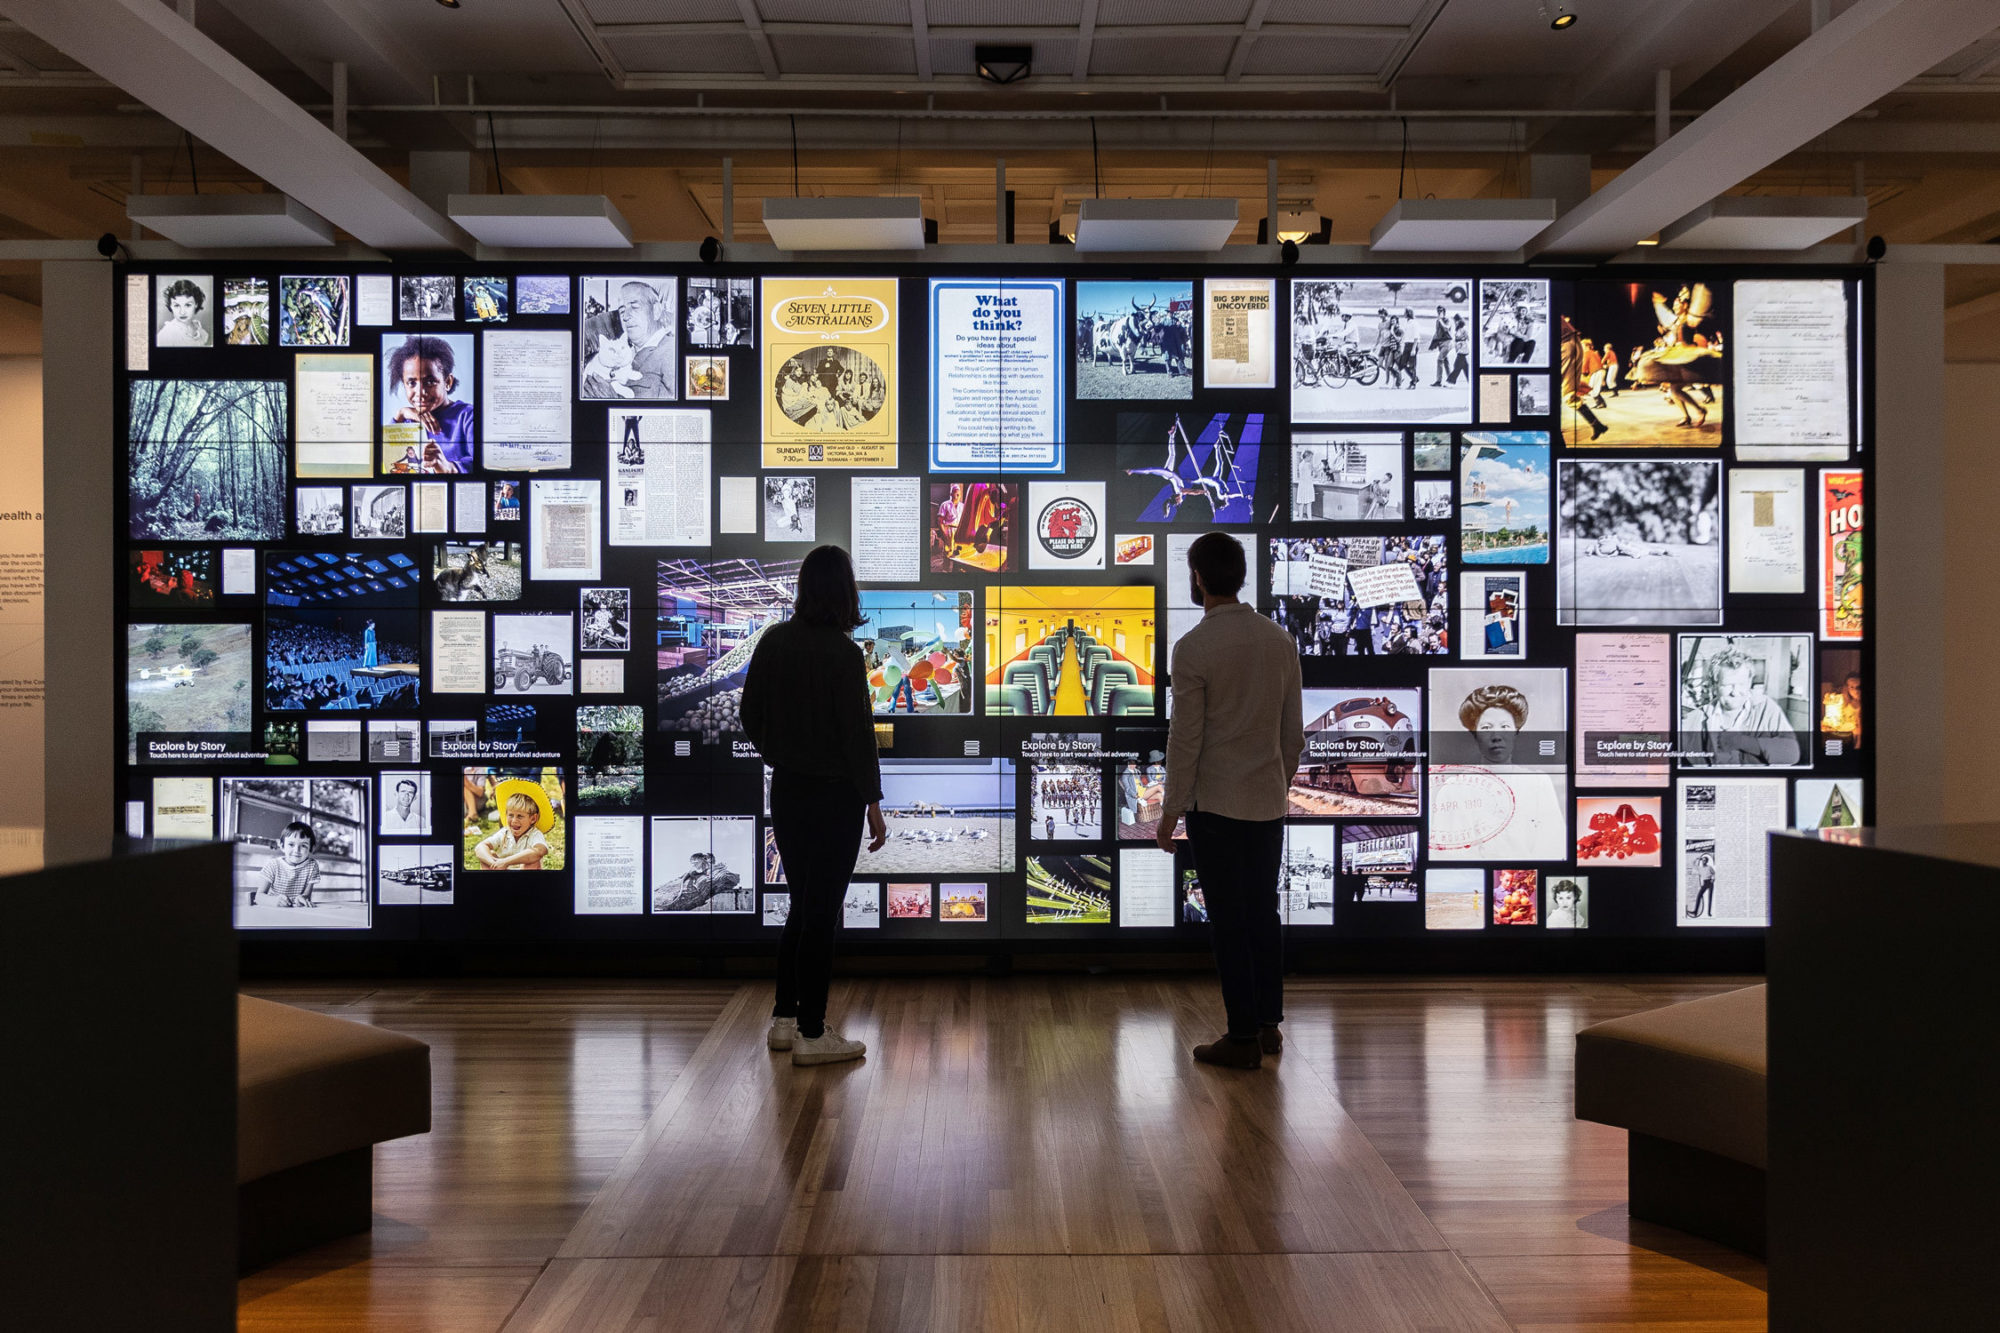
column 1558, row 16
column 1004, row 64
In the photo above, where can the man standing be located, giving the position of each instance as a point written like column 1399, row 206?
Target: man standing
column 1233, row 746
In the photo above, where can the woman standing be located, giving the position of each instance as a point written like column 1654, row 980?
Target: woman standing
column 806, row 709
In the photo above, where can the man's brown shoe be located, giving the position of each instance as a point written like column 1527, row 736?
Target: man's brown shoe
column 1231, row 1053
column 1270, row 1040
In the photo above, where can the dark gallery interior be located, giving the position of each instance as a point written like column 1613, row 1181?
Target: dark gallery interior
column 1361, row 741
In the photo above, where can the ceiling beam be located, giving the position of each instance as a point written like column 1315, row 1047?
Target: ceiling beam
column 1241, row 55
column 1010, row 32
column 1863, row 55
column 312, row 34
column 753, row 21
column 1086, row 34
column 1688, row 37
column 921, row 38
column 147, row 50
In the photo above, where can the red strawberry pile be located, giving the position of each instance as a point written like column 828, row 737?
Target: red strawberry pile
column 1617, row 835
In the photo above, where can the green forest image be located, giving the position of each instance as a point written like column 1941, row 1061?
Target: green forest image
column 611, row 750
column 207, row 460
column 185, row 678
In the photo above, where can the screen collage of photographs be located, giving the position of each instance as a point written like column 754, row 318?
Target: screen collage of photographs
column 439, row 585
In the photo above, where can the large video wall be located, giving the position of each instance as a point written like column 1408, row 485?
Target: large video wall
column 439, row 584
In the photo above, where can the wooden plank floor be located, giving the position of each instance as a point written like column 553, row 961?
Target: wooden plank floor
column 1035, row 1152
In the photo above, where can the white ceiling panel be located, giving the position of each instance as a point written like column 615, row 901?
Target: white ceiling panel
column 1112, row 13
column 1162, row 56
column 719, row 54
column 1318, row 55
column 824, row 57
column 663, row 11
column 835, row 11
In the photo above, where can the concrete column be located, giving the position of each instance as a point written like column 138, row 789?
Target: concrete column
column 82, row 652
column 1909, row 548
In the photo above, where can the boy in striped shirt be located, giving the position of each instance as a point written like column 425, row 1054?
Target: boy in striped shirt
column 293, row 872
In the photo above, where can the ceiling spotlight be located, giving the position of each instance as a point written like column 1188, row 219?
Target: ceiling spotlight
column 1558, row 16
column 1004, row 64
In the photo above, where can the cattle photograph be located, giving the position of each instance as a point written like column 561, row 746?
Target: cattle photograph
column 1134, row 340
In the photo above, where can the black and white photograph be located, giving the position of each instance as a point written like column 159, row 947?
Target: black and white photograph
column 379, row 512
column 777, row 909
column 705, row 864
column 422, row 298
column 413, row 874
column 405, row 804
column 395, row 741
column 605, row 619
column 1514, row 322
column 1746, row 700
column 1305, row 877
column 185, row 313
column 1433, row 500
column 1565, row 902
column 721, row 312
column 478, row 571
column 1639, row 542
column 626, row 339
column 1065, row 803
column 791, row 509
column 1134, row 340
column 1392, row 350
column 207, row 460
column 301, row 851
column 1378, row 849
column 1347, row 477
column 533, row 653
column 322, row 511
column 1531, row 396
column 861, row 908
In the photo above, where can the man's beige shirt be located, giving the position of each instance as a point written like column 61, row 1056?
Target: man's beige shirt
column 1237, row 730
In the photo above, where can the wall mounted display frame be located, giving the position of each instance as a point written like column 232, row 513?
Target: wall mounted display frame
column 1017, row 454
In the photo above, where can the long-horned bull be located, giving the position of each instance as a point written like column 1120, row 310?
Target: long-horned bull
column 1126, row 336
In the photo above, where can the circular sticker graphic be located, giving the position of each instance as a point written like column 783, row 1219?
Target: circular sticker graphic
column 1066, row 527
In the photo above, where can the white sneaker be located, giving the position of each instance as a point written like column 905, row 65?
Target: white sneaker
column 784, row 1031
column 825, row 1049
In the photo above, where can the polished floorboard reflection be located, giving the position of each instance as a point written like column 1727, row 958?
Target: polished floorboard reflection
column 1033, row 1152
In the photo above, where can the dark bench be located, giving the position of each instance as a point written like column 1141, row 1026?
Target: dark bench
column 1687, row 1082
column 314, row 1094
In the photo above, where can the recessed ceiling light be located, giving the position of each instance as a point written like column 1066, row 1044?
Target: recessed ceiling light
column 1004, row 64
column 1558, row 16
